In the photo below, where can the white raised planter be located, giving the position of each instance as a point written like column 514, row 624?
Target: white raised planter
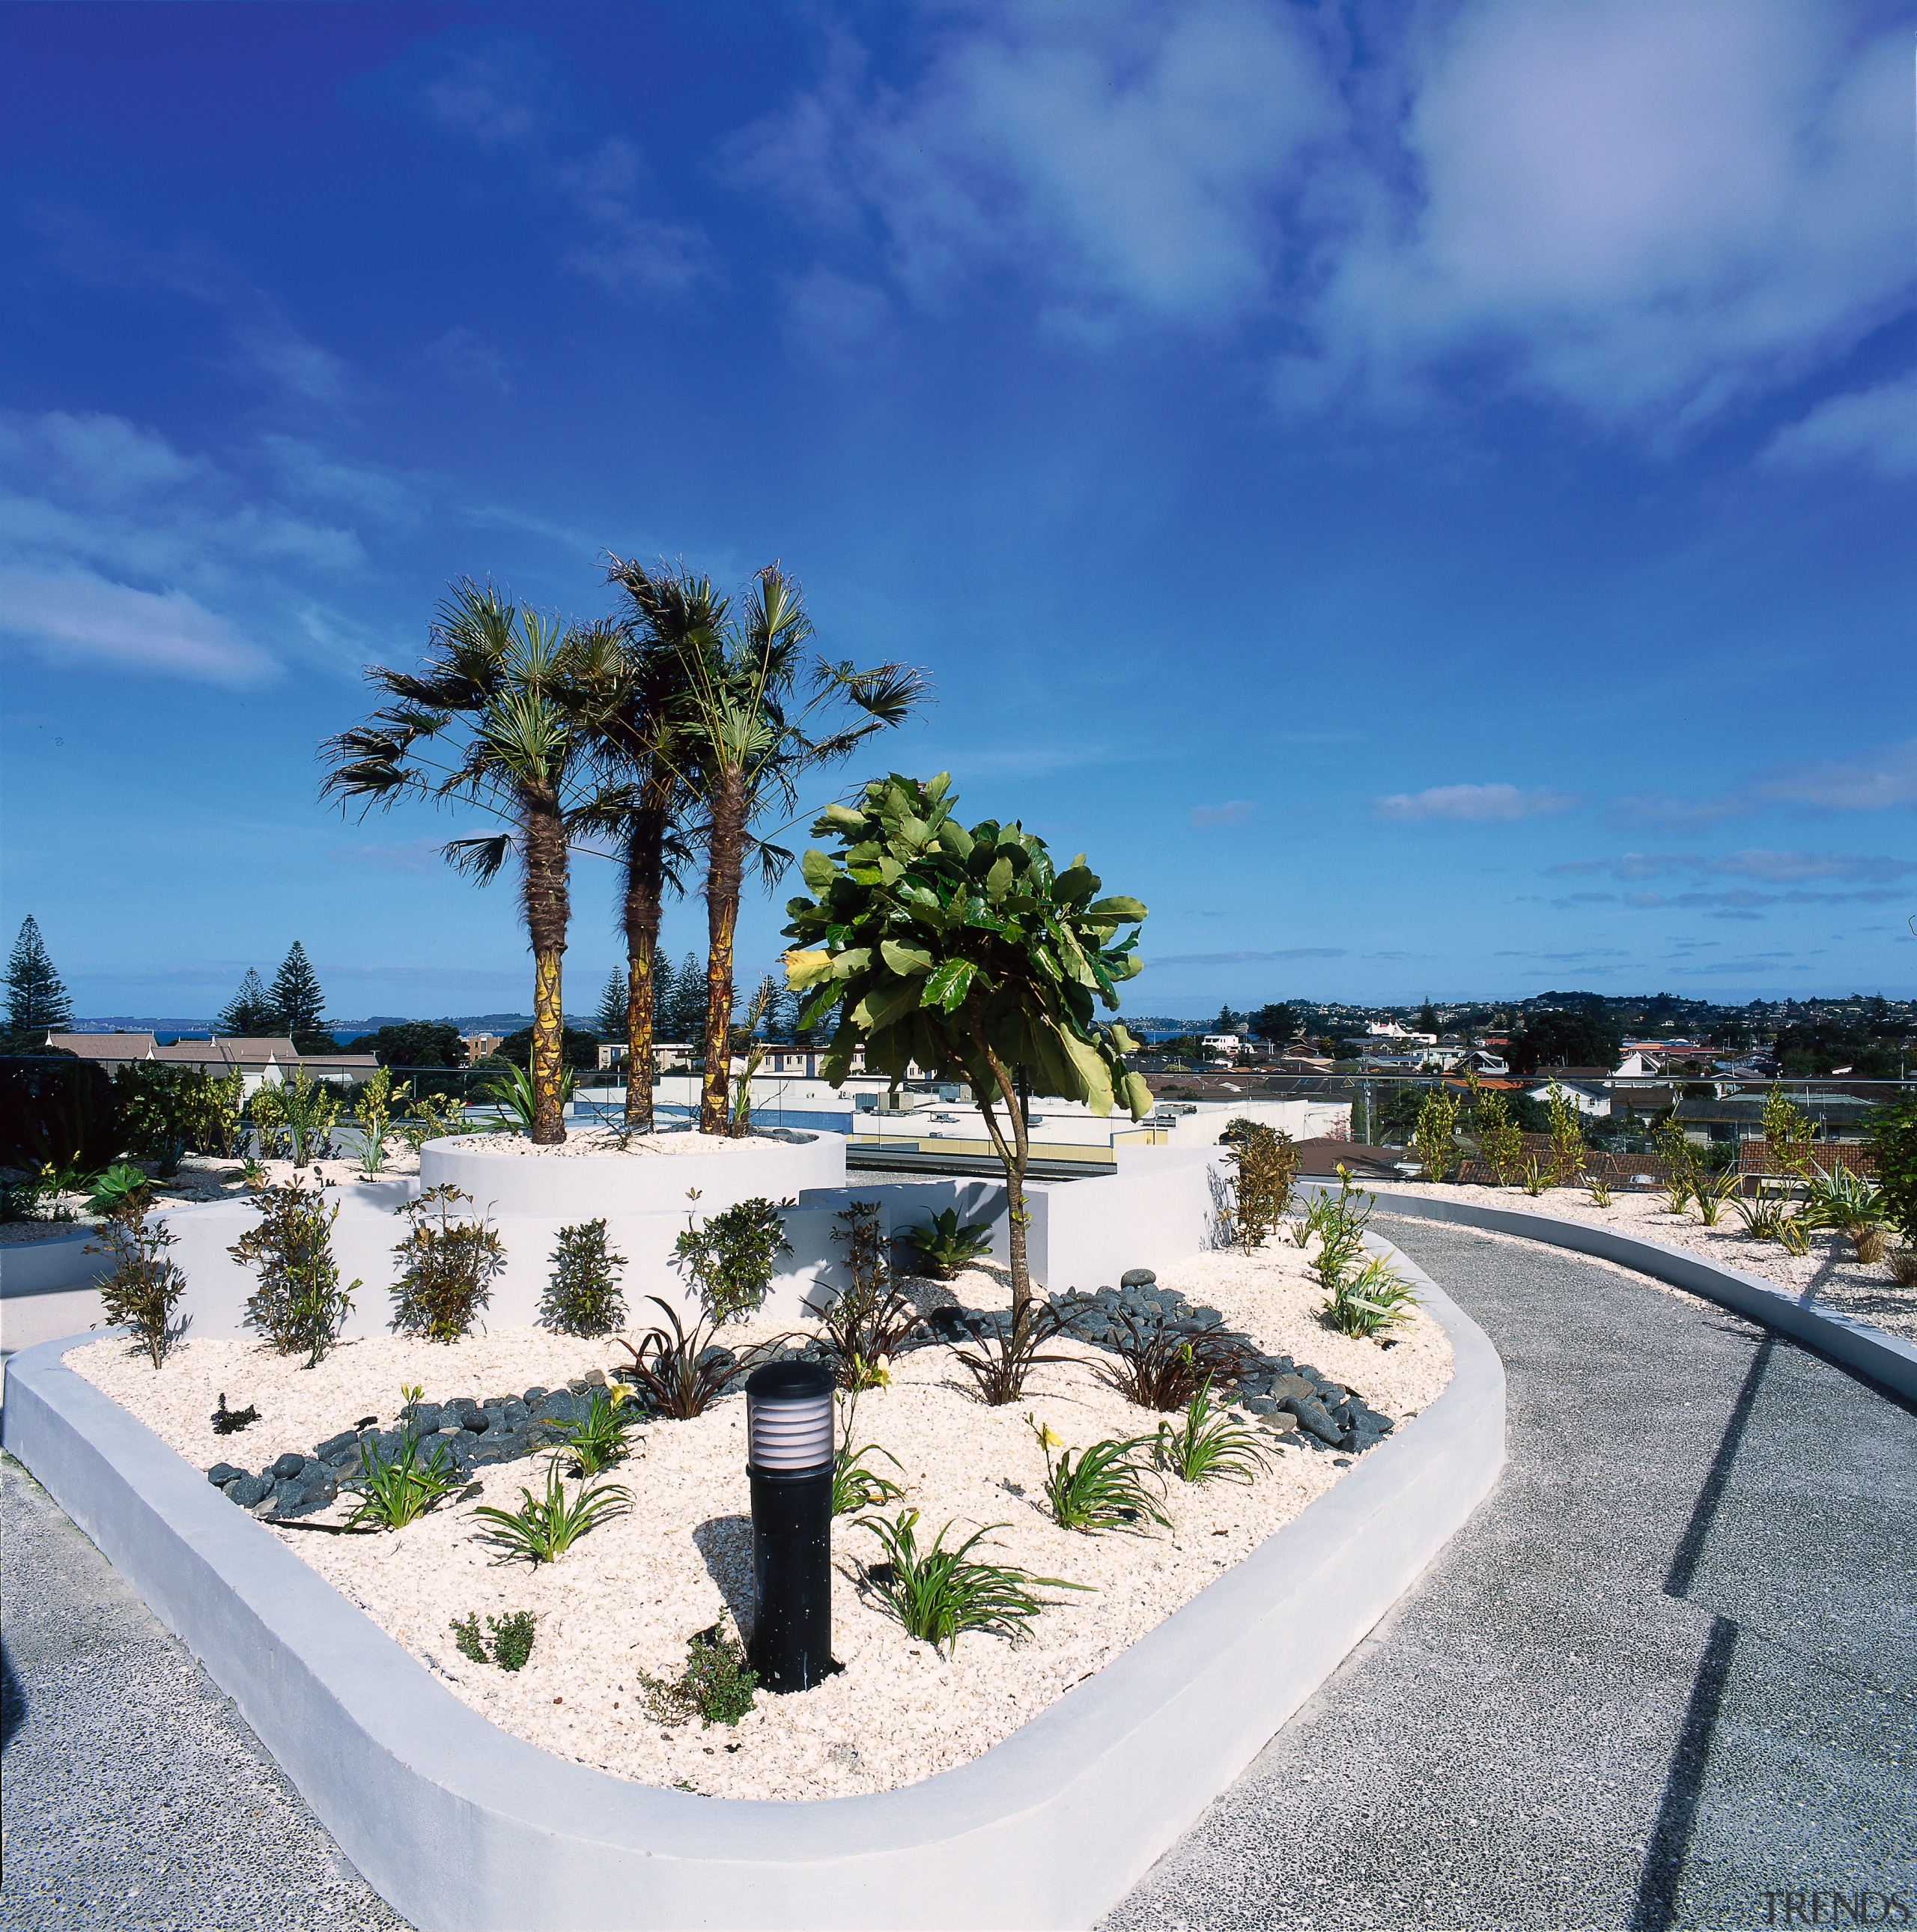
column 566, row 1187
column 462, row 1826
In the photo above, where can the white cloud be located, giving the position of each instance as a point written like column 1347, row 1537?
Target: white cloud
column 1234, row 812
column 1246, row 958
column 76, row 614
column 1882, row 780
column 1477, row 804
column 1876, row 429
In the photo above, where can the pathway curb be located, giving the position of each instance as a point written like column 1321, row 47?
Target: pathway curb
column 1887, row 1360
column 460, row 1826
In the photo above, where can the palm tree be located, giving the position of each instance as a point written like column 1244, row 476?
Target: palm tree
column 508, row 698
column 740, row 748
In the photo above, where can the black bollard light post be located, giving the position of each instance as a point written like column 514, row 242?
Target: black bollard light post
column 788, row 1458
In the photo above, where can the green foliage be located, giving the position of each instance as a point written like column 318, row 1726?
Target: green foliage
column 1208, row 1446
column 998, row 1366
column 1566, row 1132
column 511, row 1089
column 1500, row 1143
column 1265, row 1165
column 397, row 1490
column 600, row 1440
column 1837, row 1198
column 717, row 1688
column 1789, row 1133
column 854, row 1486
column 1534, row 1180
column 58, row 1113
column 678, row 1374
column 1370, row 1301
column 162, row 1110
column 864, row 1326
column 543, row 1528
column 415, row 1043
column 1670, row 1142
column 115, row 1188
column 37, row 1001
column 1564, row 1039
column 1891, row 1135
column 1338, row 1221
column 1104, row 1488
column 1712, row 1196
column 447, row 1267
column 432, row 1117
column 1162, row 1366
column 583, row 1295
column 249, row 1013
column 298, row 1006
column 296, row 1117
column 1599, row 1190
column 728, row 1262
column 1815, row 1049
column 466, row 1635
column 1435, row 1132
column 512, row 1638
column 579, row 1052
column 373, row 1108
column 144, row 1287
column 937, row 1594
column 299, row 1305
column 942, row 1247
column 1278, row 1024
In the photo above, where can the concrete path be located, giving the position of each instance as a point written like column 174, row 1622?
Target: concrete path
column 135, row 1797
column 1670, row 1668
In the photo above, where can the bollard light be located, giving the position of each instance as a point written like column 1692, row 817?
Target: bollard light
column 788, row 1460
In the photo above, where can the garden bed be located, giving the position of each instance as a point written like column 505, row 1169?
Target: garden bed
column 584, row 1143
column 1829, row 1276
column 629, row 1596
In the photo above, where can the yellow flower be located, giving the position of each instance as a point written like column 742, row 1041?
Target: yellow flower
column 1048, row 1439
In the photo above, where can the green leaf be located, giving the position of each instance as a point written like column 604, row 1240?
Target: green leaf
column 947, row 987
column 905, row 959
column 1138, row 1096
column 885, row 1003
column 853, row 959
column 1118, row 908
column 847, row 817
column 818, row 870
column 998, row 879
column 955, row 839
column 1078, row 881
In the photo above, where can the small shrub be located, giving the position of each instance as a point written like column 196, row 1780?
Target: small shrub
column 583, row 1295
column 1600, row 1190
column 1869, row 1242
column 112, row 1190
column 1500, row 1142
column 854, row 1486
column 1892, row 1136
column 729, row 1260
column 937, row 1594
column 1567, row 1135
column 717, row 1688
column 374, row 1110
column 543, row 1528
column 448, row 1267
column 1903, row 1266
column 230, row 1421
column 600, row 1441
column 512, row 1638
column 1433, row 1138
column 432, row 1117
column 866, row 1325
column 1265, row 1167
column 678, row 1374
column 1103, row 1489
column 999, row 1366
column 397, row 1490
column 1534, row 1180
column 1712, row 1195
column 1338, row 1221
column 297, row 1116
column 942, row 1247
column 1161, row 1367
column 1371, row 1300
column 1789, row 1133
column 1839, row 1198
column 1209, row 1445
column 299, row 1304
column 144, row 1287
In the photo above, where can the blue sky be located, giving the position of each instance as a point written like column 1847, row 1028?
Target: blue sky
column 1422, row 494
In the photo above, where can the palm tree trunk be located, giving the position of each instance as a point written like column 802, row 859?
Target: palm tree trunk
column 725, row 871
column 548, row 909
column 645, row 890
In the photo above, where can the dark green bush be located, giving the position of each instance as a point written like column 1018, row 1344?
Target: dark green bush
column 58, row 1112
column 729, row 1260
column 1892, row 1140
column 144, row 1287
column 447, row 1267
column 717, row 1687
column 582, row 1296
column 299, row 1304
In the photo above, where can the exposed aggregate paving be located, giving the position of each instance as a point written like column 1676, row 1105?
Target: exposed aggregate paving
column 1670, row 1665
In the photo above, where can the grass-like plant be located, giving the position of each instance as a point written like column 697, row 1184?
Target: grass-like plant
column 854, row 1486
column 1103, row 1487
column 1161, row 1367
column 1532, row 1178
column 447, row 1267
column 395, row 1490
column 1713, row 1196
column 374, row 1110
column 866, row 1325
column 144, row 1287
column 999, row 1365
column 943, row 1246
column 1903, row 1266
column 511, row 1090
column 600, row 1440
column 1373, row 1300
column 1208, row 1444
column 1599, row 1188
column 717, row 1687
column 299, row 1305
column 583, row 1295
column 937, row 1594
column 728, row 1260
column 512, row 1638
column 543, row 1528
column 673, row 1372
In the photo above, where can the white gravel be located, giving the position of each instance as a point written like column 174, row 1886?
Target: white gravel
column 589, row 1141
column 631, row 1594
column 1829, row 1274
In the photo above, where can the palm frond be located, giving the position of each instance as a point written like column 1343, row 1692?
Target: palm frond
column 479, row 859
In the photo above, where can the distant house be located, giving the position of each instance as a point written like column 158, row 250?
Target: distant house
column 482, row 1045
column 1482, row 1061
column 266, row 1062
column 1223, row 1045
